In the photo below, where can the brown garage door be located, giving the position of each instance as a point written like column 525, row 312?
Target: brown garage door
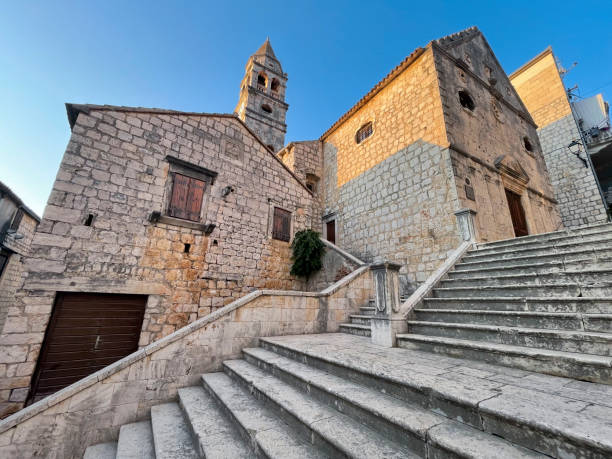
column 87, row 332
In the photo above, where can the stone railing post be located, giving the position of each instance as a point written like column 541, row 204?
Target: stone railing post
column 465, row 222
column 386, row 321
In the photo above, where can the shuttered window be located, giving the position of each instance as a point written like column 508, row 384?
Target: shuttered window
column 281, row 227
column 186, row 200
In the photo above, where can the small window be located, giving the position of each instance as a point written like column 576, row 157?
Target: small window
column 266, row 108
column 17, row 220
column 364, row 132
column 275, row 85
column 186, row 200
column 311, row 182
column 527, row 144
column 466, row 100
column 281, row 226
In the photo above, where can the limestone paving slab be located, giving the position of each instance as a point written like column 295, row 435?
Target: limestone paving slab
column 408, row 418
column 552, row 236
column 101, row 451
column 345, row 435
column 591, row 305
column 275, row 438
column 213, row 432
column 136, row 441
column 505, row 407
column 171, row 434
column 588, row 367
column 596, row 343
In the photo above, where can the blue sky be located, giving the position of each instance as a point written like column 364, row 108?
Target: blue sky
column 191, row 55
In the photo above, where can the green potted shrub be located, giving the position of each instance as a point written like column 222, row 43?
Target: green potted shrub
column 308, row 253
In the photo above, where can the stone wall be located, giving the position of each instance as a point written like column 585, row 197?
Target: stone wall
column 493, row 129
column 305, row 159
column 401, row 210
column 11, row 317
column 115, row 169
column 541, row 88
column 11, row 277
column 92, row 410
column 579, row 199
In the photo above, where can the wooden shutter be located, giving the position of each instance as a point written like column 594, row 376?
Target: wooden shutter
column 194, row 199
column 281, row 228
column 186, row 200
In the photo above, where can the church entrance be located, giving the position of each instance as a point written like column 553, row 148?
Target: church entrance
column 519, row 222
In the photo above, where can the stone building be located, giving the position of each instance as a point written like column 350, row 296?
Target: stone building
column 17, row 225
column 157, row 217
column 443, row 131
column 541, row 89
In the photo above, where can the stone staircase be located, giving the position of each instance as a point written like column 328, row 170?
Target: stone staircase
column 338, row 395
column 505, row 360
column 540, row 303
column 360, row 323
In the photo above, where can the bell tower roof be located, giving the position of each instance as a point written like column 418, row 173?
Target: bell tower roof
column 266, row 50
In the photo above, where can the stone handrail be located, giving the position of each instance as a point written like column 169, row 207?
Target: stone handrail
column 125, row 390
column 426, row 287
column 343, row 253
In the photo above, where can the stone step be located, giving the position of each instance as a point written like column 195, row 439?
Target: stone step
column 534, row 304
column 490, row 261
column 409, row 424
column 585, row 367
column 601, row 280
column 557, row 340
column 556, row 425
column 598, row 247
column 591, row 242
column 136, row 441
column 355, row 329
column 213, row 433
column 523, row 319
column 513, row 291
column 358, row 319
column 171, row 434
column 367, row 311
column 335, row 433
column 555, row 235
column 268, row 435
column 548, row 240
column 101, row 451
column 461, row 272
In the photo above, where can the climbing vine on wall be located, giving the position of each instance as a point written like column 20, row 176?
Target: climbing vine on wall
column 308, row 252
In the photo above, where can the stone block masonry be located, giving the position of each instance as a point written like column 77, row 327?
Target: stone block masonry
column 96, row 234
column 575, row 186
column 399, row 210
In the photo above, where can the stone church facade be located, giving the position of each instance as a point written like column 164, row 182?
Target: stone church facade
column 175, row 214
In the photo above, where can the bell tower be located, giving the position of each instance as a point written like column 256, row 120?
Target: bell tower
column 262, row 97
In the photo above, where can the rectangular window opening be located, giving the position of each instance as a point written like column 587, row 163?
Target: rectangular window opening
column 281, row 227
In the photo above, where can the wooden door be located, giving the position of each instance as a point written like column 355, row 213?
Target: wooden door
column 330, row 230
column 519, row 222
column 87, row 332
